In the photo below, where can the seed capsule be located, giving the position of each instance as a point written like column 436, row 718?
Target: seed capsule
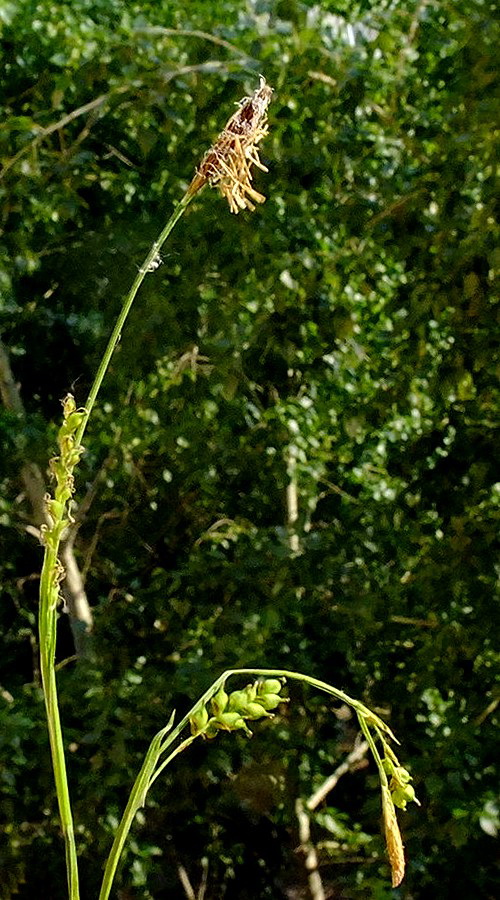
column 256, row 711
column 270, row 686
column 238, row 701
column 198, row 721
column 219, row 701
column 231, row 721
column 270, row 701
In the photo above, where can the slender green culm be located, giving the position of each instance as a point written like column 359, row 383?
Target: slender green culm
column 149, row 265
column 217, row 710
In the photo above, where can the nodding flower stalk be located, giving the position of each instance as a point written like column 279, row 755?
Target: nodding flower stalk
column 219, row 711
column 227, row 165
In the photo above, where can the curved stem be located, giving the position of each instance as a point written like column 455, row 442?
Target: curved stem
column 150, row 770
column 323, row 686
column 373, row 747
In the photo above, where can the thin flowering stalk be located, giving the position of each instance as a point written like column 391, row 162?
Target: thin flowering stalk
column 230, row 168
column 150, row 264
column 229, row 712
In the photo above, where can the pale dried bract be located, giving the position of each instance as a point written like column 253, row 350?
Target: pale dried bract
column 393, row 838
column 227, row 165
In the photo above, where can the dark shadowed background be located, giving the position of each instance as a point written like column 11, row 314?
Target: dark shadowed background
column 333, row 351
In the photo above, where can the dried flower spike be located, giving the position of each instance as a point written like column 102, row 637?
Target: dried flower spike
column 227, row 165
column 393, row 838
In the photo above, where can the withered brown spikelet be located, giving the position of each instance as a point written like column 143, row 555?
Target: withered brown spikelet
column 393, row 838
column 227, row 165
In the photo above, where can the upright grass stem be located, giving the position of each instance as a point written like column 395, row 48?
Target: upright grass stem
column 47, row 640
column 51, row 570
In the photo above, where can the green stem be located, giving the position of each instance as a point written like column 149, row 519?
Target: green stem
column 376, row 755
column 360, row 708
column 135, row 801
column 49, row 592
column 150, row 769
column 47, row 633
column 183, row 746
column 150, row 260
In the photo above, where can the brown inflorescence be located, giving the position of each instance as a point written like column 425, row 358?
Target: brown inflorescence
column 227, row 165
column 393, row 838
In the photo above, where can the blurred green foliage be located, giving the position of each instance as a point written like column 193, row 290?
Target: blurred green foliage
column 342, row 337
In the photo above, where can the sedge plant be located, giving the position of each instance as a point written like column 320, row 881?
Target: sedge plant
column 227, row 165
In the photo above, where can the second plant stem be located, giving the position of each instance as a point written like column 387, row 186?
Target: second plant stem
column 152, row 767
